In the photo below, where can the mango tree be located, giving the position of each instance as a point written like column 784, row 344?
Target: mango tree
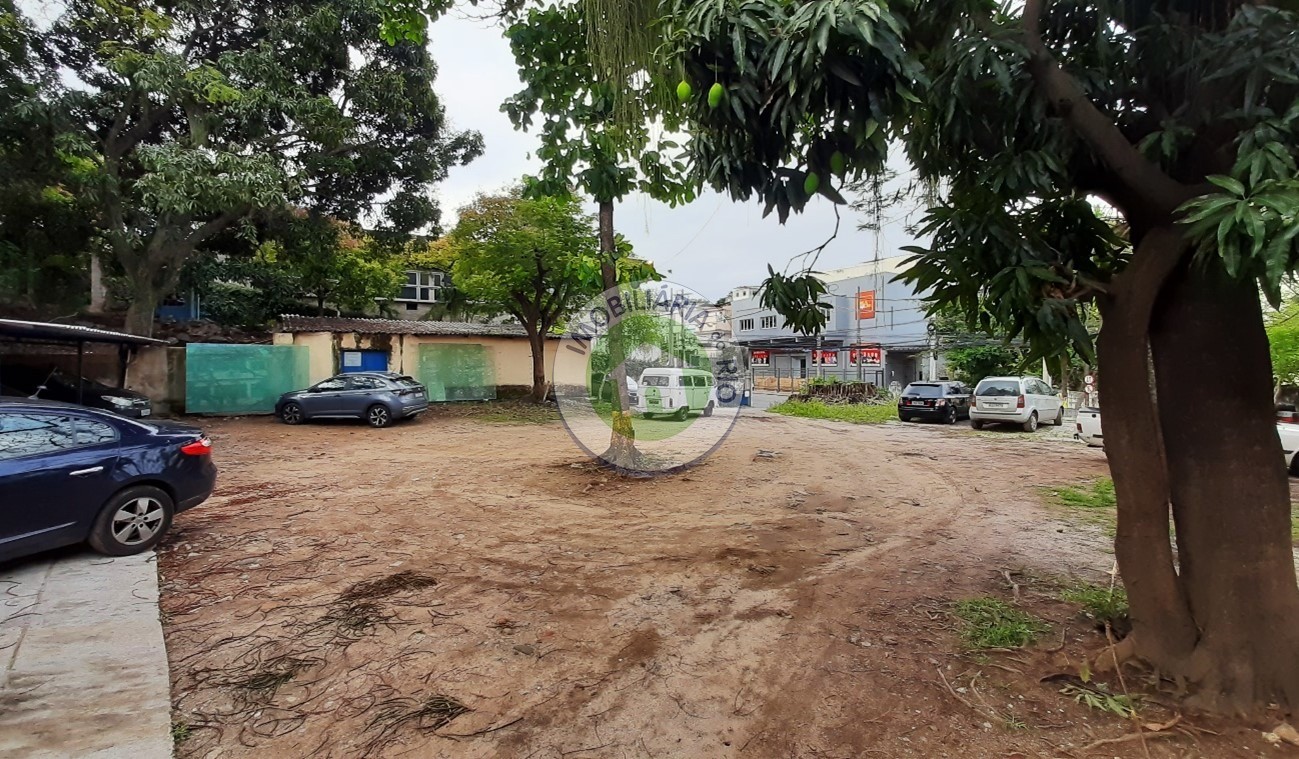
column 201, row 114
column 1182, row 115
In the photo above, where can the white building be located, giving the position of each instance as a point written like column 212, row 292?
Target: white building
column 877, row 330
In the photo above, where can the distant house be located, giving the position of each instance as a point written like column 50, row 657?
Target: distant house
column 877, row 330
column 421, row 293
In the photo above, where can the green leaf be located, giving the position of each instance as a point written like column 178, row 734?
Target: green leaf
column 1229, row 184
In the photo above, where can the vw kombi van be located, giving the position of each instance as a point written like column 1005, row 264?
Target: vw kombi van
column 676, row 392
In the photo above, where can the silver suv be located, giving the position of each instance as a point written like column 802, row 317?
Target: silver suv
column 1025, row 401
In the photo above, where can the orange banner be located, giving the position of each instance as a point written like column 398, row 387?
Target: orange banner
column 866, row 304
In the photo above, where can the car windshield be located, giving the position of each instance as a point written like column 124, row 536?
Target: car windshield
column 997, row 387
column 655, row 380
column 924, row 391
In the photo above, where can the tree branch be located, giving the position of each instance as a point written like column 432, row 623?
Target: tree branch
column 210, row 228
column 1157, row 189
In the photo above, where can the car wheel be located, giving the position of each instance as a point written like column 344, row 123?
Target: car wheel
column 681, row 413
column 904, row 418
column 647, row 415
column 975, row 424
column 291, row 414
column 1031, row 424
column 951, row 416
column 1059, row 418
column 708, row 410
column 132, row 521
column 378, row 415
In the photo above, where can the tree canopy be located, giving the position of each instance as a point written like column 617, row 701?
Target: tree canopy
column 534, row 258
column 198, row 115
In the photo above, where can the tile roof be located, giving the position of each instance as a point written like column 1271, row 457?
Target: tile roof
column 295, row 323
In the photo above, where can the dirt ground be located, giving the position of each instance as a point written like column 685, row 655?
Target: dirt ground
column 349, row 592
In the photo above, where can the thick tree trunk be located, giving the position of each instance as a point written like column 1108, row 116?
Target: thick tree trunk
column 622, row 451
column 1230, row 492
column 1189, row 431
column 140, row 313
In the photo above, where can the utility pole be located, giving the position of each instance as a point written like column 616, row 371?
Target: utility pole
column 856, row 309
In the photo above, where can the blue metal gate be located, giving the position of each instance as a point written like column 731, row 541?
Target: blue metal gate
column 364, row 361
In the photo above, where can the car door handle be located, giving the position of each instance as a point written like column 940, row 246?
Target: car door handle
column 81, row 472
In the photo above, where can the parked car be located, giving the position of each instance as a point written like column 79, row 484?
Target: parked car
column 1025, row 401
column 676, row 392
column 51, row 383
column 380, row 398
column 1089, row 427
column 941, row 401
column 69, row 474
column 1089, row 431
column 606, row 390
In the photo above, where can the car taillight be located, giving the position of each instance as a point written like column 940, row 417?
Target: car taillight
column 200, row 447
column 1020, row 402
column 974, row 402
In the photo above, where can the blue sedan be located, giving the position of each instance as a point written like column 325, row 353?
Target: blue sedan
column 69, row 474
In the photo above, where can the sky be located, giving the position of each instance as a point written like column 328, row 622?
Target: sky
column 710, row 246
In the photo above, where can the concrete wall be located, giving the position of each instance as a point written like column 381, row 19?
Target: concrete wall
column 159, row 373
column 512, row 356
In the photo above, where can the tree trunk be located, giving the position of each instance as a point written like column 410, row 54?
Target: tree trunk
column 1189, row 431
column 1162, row 628
column 144, row 304
column 98, row 292
column 537, row 341
column 622, row 451
column 1230, row 492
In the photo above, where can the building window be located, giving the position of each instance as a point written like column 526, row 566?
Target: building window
column 421, row 287
column 746, row 325
column 768, row 322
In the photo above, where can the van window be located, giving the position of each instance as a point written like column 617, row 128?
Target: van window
column 655, row 380
column 995, row 388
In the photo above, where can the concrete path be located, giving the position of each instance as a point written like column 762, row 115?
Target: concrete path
column 83, row 669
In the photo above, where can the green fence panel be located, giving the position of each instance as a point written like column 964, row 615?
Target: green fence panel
column 457, row 372
column 242, row 379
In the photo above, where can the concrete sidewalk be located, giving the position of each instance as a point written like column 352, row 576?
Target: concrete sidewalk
column 84, row 666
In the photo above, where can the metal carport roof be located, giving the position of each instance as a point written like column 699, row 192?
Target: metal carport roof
column 49, row 332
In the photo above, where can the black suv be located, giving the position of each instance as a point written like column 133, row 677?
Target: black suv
column 941, row 401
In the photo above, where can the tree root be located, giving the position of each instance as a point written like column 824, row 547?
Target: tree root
column 1113, row 657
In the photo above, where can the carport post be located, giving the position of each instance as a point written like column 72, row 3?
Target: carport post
column 81, row 380
column 122, row 353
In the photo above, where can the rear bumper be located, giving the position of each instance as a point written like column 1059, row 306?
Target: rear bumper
column 197, row 489
column 1009, row 415
column 412, row 409
column 923, row 412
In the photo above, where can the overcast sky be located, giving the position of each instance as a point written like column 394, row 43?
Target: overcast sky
column 710, row 246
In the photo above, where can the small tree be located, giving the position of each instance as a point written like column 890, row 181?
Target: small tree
column 535, row 259
column 585, row 143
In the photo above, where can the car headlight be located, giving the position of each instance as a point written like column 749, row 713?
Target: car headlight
column 118, row 401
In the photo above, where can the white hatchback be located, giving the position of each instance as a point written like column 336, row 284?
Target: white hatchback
column 1025, row 401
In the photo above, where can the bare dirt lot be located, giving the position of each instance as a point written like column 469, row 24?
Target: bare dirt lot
column 351, row 592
